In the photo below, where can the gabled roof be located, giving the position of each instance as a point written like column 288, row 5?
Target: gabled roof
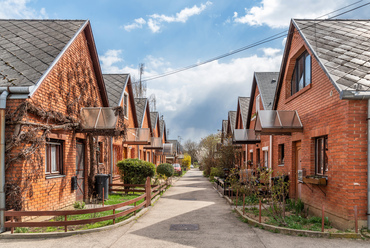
column 162, row 126
column 140, row 104
column 115, row 85
column 231, row 121
column 243, row 106
column 342, row 49
column 29, row 49
column 154, row 118
column 224, row 126
column 266, row 83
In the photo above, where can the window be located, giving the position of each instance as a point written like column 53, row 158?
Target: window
column 258, row 103
column 54, row 157
column 125, row 104
column 281, row 154
column 258, row 159
column 321, row 157
column 99, row 153
column 302, row 73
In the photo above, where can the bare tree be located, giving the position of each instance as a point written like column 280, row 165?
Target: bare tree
column 191, row 147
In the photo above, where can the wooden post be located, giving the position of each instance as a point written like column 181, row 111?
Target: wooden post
column 148, row 191
column 323, row 218
column 243, row 204
column 12, row 228
column 103, row 197
column 356, row 221
column 114, row 219
column 65, row 227
column 237, row 198
column 135, row 207
column 259, row 217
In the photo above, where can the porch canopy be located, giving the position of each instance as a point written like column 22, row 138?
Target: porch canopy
column 246, row 136
column 137, row 136
column 99, row 120
column 155, row 144
column 279, row 122
column 167, row 149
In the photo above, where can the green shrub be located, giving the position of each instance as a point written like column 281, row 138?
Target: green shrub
column 79, row 205
column 165, row 169
column 135, row 171
column 216, row 172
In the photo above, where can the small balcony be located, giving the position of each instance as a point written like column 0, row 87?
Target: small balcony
column 138, row 136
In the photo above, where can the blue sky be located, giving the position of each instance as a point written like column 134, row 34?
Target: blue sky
column 166, row 35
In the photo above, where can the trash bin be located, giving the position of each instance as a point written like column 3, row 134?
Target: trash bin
column 102, row 181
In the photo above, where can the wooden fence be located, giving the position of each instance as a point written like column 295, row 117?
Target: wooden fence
column 150, row 192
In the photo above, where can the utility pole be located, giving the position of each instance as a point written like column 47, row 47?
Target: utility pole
column 141, row 72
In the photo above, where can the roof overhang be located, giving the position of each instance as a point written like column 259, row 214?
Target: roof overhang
column 278, row 122
column 138, row 136
column 246, row 136
column 155, row 144
column 99, row 120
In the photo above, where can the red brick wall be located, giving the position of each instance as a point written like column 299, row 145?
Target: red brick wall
column 54, row 193
column 344, row 122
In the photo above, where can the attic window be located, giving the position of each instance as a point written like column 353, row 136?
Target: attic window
column 302, row 73
column 125, row 105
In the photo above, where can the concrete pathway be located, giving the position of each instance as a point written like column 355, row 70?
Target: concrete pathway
column 193, row 201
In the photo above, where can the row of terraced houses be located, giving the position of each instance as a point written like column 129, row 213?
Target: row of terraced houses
column 310, row 120
column 60, row 115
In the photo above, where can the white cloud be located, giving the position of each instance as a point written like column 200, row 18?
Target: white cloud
column 271, row 52
column 138, row 23
column 277, row 13
column 194, row 101
column 18, row 9
column 155, row 20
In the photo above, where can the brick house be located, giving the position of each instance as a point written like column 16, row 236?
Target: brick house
column 240, row 123
column 262, row 97
column 120, row 93
column 145, row 127
column 156, row 146
column 50, row 69
column 319, row 117
column 167, row 147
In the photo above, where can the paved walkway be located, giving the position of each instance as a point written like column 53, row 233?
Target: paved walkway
column 193, row 201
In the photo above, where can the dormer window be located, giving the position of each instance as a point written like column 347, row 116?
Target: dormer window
column 302, row 73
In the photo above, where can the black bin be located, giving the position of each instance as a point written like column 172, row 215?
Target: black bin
column 102, row 181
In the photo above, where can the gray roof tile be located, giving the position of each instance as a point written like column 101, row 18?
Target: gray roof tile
column 244, row 106
column 140, row 104
column 32, row 42
column 115, row 85
column 232, row 119
column 267, row 82
column 346, row 55
column 153, row 119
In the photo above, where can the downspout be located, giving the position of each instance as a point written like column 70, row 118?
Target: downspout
column 368, row 164
column 111, row 160
column 3, row 97
column 270, row 157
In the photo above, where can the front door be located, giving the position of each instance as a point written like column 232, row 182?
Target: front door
column 80, row 162
column 298, row 168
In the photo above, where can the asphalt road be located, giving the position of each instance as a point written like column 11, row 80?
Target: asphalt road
column 191, row 203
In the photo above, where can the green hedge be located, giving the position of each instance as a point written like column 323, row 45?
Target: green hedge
column 135, row 171
column 165, row 169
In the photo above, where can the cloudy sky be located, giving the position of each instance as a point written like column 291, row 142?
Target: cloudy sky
column 168, row 35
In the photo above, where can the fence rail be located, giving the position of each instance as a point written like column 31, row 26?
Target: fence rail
column 150, row 192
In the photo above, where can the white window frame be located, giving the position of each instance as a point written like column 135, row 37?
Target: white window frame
column 125, row 104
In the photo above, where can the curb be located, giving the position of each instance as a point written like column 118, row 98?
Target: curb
column 289, row 231
column 8, row 235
